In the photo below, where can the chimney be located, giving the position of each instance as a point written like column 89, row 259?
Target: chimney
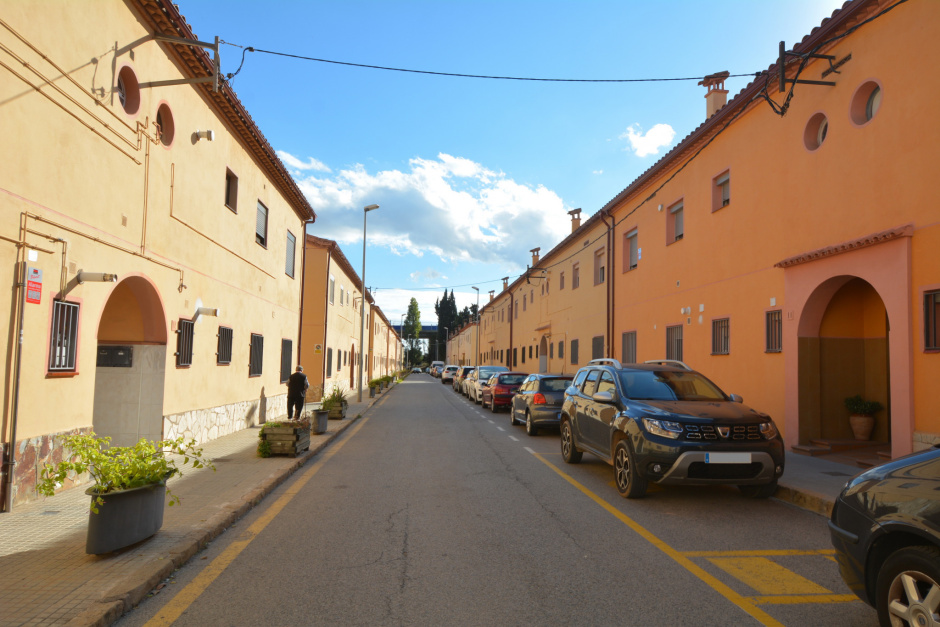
column 505, row 283
column 575, row 219
column 717, row 95
column 491, row 295
column 535, row 256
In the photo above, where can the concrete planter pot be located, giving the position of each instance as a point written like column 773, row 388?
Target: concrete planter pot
column 319, row 424
column 862, row 426
column 125, row 518
column 372, row 392
column 289, row 441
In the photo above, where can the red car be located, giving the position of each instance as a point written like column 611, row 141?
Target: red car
column 499, row 390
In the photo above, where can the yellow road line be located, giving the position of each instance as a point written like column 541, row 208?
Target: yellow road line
column 767, row 576
column 760, row 553
column 191, row 591
column 805, row 598
column 741, row 601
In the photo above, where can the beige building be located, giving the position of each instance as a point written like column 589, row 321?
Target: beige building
column 462, row 346
column 149, row 233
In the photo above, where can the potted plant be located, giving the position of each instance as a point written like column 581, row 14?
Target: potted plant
column 335, row 403
column 130, row 485
column 289, row 437
column 373, row 384
column 861, row 415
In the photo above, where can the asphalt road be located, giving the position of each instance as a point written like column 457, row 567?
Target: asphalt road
column 433, row 511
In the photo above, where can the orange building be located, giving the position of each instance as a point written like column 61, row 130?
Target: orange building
column 787, row 247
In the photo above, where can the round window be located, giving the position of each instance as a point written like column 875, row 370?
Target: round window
column 128, row 90
column 165, row 126
column 816, row 130
column 865, row 103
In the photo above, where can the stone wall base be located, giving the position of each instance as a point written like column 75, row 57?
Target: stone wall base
column 204, row 425
column 35, row 453
column 924, row 440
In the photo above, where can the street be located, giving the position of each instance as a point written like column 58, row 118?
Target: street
column 433, row 511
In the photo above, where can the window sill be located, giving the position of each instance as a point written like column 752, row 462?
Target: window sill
column 61, row 375
column 232, row 209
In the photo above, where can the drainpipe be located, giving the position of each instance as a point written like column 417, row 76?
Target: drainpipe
column 512, row 363
column 10, row 453
column 303, row 285
column 610, row 284
column 326, row 315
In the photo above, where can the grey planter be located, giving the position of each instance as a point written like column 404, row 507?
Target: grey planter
column 320, row 421
column 125, row 518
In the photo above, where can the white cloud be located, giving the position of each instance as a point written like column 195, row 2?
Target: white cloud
column 649, row 143
column 429, row 274
column 296, row 164
column 449, row 207
column 598, row 172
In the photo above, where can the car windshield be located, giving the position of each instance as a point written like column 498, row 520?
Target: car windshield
column 486, row 373
column 511, row 379
column 555, row 385
column 651, row 385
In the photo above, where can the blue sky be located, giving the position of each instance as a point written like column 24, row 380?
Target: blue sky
column 470, row 174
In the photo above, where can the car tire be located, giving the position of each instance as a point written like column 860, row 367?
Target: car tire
column 530, row 428
column 512, row 415
column 569, row 450
column 913, row 567
column 629, row 483
column 764, row 491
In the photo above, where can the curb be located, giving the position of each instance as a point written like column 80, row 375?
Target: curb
column 805, row 499
column 126, row 594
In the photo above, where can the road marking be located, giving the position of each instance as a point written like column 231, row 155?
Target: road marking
column 811, row 598
column 491, row 422
column 530, row 450
column 758, row 553
column 767, row 577
column 191, row 591
column 741, row 601
column 513, row 438
column 500, row 428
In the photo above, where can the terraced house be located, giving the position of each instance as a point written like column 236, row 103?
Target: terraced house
column 787, row 247
column 149, row 234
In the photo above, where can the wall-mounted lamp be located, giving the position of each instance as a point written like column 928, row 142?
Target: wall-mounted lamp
column 209, row 135
column 96, row 277
column 206, row 311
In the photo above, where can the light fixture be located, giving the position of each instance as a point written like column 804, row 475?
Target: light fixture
column 476, row 354
column 96, row 277
column 362, row 324
column 206, row 311
column 209, row 135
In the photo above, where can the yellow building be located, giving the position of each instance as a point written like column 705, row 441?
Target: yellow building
column 149, row 233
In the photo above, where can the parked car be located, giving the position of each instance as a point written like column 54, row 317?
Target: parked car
column 500, row 388
column 537, row 402
column 436, row 368
column 885, row 527
column 447, row 374
column 477, row 380
column 461, row 377
column 668, row 424
column 416, row 370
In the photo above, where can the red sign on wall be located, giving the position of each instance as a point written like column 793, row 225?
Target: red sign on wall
column 33, row 285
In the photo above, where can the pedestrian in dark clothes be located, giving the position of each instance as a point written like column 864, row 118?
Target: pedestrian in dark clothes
column 297, row 385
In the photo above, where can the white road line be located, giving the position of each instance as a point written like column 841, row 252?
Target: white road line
column 500, row 428
column 491, row 422
column 513, row 439
column 530, row 450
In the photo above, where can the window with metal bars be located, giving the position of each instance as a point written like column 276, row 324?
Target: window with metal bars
column 574, row 352
column 628, row 347
column 674, row 342
column 932, row 320
column 774, row 331
column 721, row 336
column 223, row 353
column 261, row 225
column 561, row 349
column 256, row 358
column 287, row 349
column 291, row 250
column 184, row 343
column 64, row 342
column 597, row 347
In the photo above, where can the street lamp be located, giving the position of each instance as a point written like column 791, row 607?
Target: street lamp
column 446, row 339
column 362, row 316
column 476, row 354
column 402, row 338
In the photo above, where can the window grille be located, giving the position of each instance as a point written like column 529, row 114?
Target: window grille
column 256, row 359
column 774, row 333
column 674, row 342
column 721, row 336
column 628, row 347
column 574, row 352
column 597, row 347
column 223, row 353
column 287, row 348
column 64, row 342
column 184, row 343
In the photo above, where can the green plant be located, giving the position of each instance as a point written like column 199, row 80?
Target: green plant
column 860, row 407
column 374, row 383
column 115, row 468
column 334, row 400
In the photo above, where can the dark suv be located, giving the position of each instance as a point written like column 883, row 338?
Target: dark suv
column 665, row 423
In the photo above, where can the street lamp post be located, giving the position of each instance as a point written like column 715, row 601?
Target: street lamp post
column 362, row 316
column 446, row 338
column 402, row 338
column 476, row 354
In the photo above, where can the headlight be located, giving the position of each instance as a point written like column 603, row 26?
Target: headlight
column 663, row 428
column 768, row 430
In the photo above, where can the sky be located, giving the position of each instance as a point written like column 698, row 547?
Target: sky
column 470, row 174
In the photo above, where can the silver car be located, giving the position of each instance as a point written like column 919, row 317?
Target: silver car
column 478, row 379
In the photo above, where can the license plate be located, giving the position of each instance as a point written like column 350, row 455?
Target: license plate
column 727, row 458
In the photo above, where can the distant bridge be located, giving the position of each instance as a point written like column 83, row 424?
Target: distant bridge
column 429, row 334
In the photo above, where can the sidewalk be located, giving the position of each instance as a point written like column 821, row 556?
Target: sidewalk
column 47, row 579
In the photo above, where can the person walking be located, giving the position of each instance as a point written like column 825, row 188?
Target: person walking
column 297, row 385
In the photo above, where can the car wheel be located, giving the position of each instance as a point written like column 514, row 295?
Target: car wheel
column 629, row 483
column 512, row 415
column 477, row 400
column 908, row 586
column 569, row 452
column 493, row 405
column 530, row 428
column 759, row 491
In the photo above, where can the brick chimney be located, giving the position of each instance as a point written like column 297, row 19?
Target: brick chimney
column 575, row 219
column 491, row 295
column 717, row 95
column 535, row 256
column 505, row 283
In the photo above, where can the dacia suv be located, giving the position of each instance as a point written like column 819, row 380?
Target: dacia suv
column 664, row 423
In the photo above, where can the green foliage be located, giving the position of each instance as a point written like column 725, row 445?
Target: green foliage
column 374, row 383
column 334, row 400
column 264, row 448
column 115, row 468
column 859, row 406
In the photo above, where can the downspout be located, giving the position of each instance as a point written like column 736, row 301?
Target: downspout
column 610, row 284
column 10, row 453
column 303, row 285
column 326, row 313
column 512, row 363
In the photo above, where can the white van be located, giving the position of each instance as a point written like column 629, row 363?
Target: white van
column 436, row 367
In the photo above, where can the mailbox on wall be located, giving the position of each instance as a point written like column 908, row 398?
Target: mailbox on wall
column 115, row 356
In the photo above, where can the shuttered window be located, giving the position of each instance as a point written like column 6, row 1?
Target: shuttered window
column 722, row 193
column 223, row 354
column 674, row 342
column 261, row 225
column 287, row 348
column 329, row 362
column 677, row 222
column 256, row 359
column 597, row 347
column 774, row 331
column 291, row 250
column 628, row 347
column 574, row 352
column 721, row 336
column 184, row 343
column 64, row 341
column 932, row 320
column 632, row 246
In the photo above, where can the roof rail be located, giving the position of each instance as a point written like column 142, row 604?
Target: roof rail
column 669, row 362
column 612, row 362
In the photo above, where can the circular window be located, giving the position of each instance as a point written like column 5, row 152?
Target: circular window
column 865, row 103
column 816, row 130
column 165, row 126
column 128, row 90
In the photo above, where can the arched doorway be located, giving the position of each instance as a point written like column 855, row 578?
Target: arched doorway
column 843, row 351
column 543, row 355
column 129, row 376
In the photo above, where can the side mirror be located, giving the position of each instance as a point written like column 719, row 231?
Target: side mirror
column 736, row 399
column 603, row 397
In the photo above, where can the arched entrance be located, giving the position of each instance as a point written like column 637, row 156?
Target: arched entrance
column 543, row 355
column 843, row 351
column 129, row 377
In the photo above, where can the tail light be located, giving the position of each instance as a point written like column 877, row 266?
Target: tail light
column 500, row 389
column 538, row 399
